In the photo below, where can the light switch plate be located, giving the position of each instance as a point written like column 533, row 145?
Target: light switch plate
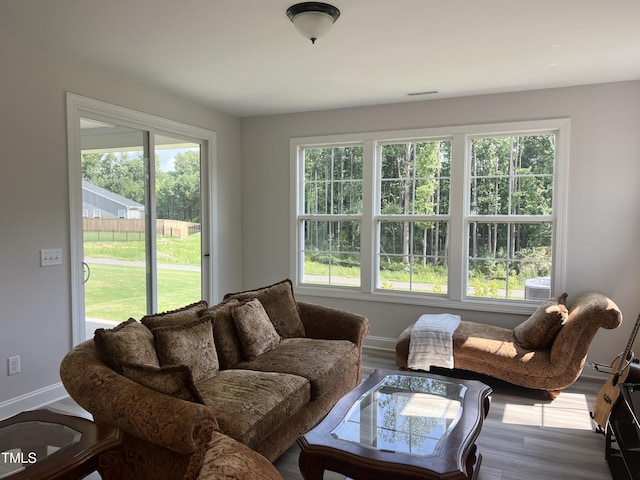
column 51, row 256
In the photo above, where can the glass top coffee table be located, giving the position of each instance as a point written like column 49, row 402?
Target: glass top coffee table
column 401, row 425
column 42, row 444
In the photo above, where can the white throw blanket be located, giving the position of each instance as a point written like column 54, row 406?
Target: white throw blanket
column 432, row 341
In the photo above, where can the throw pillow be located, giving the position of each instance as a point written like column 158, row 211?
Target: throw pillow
column 539, row 330
column 130, row 342
column 189, row 344
column 175, row 380
column 257, row 333
column 280, row 305
column 224, row 333
column 185, row 314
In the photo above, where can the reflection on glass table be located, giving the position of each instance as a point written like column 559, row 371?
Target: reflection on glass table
column 23, row 444
column 404, row 414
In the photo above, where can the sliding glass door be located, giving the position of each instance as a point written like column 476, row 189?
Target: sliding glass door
column 178, row 239
column 144, row 221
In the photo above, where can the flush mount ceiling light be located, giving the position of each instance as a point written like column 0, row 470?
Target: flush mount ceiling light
column 313, row 19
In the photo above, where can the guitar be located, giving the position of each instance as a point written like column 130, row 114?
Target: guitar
column 620, row 369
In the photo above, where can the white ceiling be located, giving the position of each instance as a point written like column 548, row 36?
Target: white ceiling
column 246, row 58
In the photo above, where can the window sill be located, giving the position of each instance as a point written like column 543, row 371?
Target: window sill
column 523, row 307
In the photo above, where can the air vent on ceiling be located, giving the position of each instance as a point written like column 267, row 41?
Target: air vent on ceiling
column 429, row 92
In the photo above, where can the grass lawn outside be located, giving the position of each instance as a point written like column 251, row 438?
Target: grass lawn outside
column 116, row 289
column 175, row 251
column 118, row 292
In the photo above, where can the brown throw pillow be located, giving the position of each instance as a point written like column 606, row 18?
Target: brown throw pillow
column 130, row 342
column 185, row 314
column 224, row 333
column 257, row 333
column 280, row 304
column 175, row 380
column 539, row 330
column 189, row 344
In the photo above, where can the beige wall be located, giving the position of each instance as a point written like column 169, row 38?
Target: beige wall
column 35, row 302
column 604, row 195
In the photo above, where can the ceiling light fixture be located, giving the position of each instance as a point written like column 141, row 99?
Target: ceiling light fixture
column 313, row 19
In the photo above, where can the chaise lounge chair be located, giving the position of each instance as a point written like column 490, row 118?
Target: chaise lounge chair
column 496, row 352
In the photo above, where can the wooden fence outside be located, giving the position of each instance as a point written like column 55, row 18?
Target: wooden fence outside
column 136, row 226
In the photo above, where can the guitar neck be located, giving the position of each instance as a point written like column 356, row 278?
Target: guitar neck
column 627, row 349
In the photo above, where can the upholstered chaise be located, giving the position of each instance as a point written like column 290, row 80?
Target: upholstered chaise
column 496, row 352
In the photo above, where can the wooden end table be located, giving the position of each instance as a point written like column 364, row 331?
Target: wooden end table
column 400, row 425
column 44, row 445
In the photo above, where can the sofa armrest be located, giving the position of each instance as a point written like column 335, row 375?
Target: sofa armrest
column 332, row 324
column 223, row 458
column 588, row 313
column 137, row 410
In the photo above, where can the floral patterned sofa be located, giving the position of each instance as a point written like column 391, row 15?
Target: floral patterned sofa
column 258, row 369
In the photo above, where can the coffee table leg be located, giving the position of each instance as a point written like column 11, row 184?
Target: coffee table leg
column 473, row 463
column 311, row 467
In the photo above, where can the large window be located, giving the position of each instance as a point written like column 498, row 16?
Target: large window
column 331, row 216
column 413, row 218
column 451, row 215
column 510, row 216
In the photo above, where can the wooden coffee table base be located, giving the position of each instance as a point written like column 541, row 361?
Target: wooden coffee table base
column 457, row 458
column 313, row 462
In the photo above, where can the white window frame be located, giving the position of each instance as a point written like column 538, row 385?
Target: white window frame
column 460, row 136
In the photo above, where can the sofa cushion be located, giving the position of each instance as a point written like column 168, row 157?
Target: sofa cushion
column 175, row 380
column 129, row 342
column 249, row 405
column 539, row 330
column 189, row 344
column 319, row 361
column 224, row 333
column 185, row 314
column 280, row 304
column 256, row 332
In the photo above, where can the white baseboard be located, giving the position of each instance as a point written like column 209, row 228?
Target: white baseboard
column 32, row 400
column 380, row 343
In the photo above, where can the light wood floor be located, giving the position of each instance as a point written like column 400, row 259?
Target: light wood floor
column 524, row 437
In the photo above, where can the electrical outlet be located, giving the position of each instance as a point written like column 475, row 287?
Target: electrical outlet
column 14, row 365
